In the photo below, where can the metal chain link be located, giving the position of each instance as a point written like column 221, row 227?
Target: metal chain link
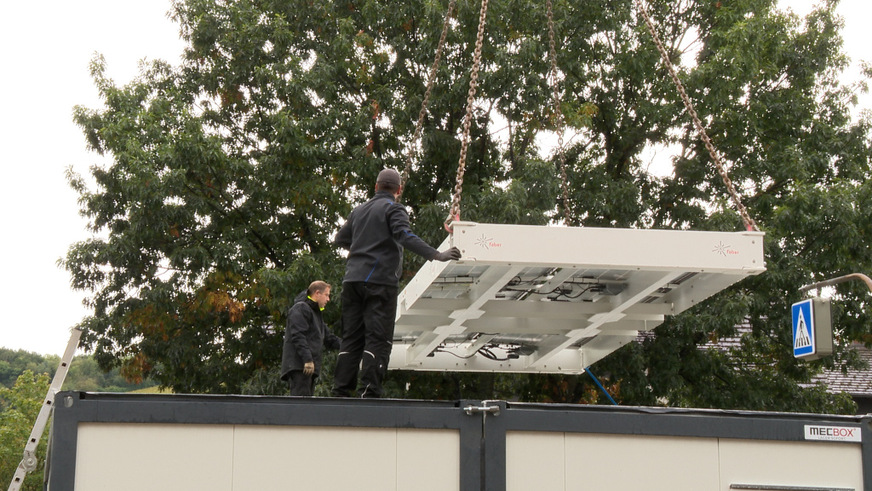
column 558, row 114
column 431, row 77
column 454, row 212
column 750, row 224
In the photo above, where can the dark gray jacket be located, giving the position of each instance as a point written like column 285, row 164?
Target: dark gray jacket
column 305, row 334
column 375, row 234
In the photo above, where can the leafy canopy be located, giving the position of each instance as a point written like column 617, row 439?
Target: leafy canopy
column 19, row 407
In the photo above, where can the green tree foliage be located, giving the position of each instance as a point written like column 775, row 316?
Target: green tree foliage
column 15, row 362
column 19, row 407
column 84, row 373
column 230, row 172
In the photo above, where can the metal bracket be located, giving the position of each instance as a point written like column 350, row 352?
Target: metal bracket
column 29, row 462
column 483, row 409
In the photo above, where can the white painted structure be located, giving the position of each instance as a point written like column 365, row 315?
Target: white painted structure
column 544, row 460
column 557, row 299
column 249, row 457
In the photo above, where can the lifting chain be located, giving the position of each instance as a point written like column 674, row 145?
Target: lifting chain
column 430, row 78
column 558, row 114
column 454, row 213
column 750, row 224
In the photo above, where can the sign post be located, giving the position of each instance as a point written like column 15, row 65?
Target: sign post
column 812, row 329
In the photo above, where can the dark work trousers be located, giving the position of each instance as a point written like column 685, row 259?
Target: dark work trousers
column 368, row 313
column 301, row 384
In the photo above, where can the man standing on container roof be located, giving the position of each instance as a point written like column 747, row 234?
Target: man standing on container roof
column 374, row 234
column 305, row 335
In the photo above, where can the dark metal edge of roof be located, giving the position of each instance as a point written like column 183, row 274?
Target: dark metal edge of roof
column 690, row 411
column 255, row 399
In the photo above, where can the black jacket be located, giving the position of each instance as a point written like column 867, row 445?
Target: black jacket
column 375, row 234
column 305, row 334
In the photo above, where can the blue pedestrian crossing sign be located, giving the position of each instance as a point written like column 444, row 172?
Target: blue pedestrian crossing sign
column 812, row 328
column 803, row 329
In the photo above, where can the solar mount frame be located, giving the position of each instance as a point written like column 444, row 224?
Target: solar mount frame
column 547, row 299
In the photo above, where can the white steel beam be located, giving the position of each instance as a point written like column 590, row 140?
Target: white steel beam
column 488, row 286
column 597, row 321
column 613, row 248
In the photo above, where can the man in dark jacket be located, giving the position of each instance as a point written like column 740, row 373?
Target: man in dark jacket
column 374, row 234
column 305, row 334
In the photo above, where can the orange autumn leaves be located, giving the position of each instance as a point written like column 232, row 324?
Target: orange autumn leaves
column 221, row 301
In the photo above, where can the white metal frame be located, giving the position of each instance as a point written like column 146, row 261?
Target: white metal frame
column 557, row 299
